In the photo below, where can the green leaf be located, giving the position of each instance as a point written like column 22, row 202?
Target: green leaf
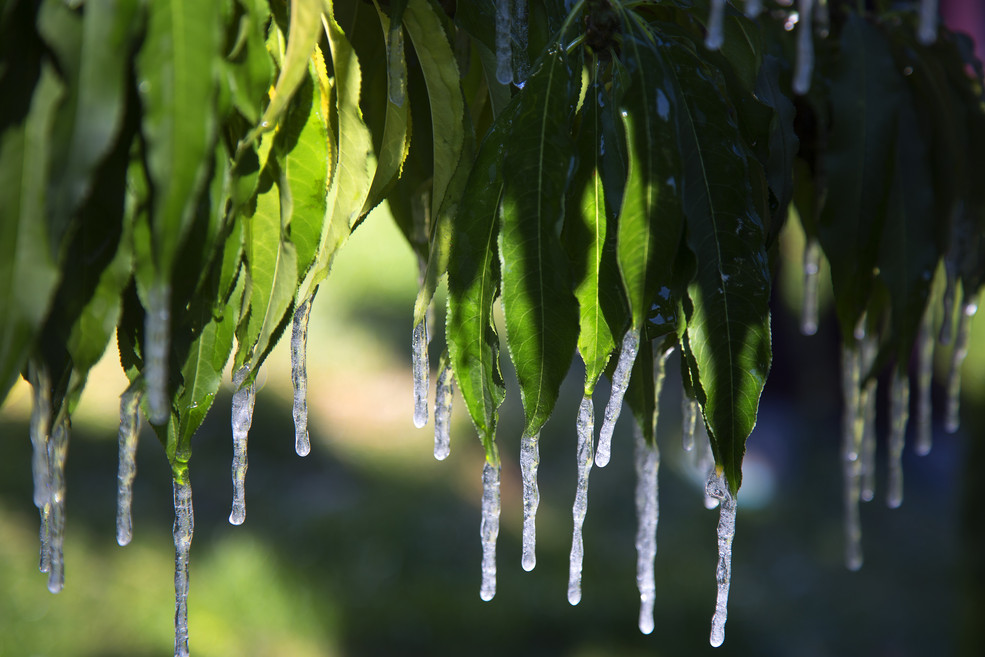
column 248, row 68
column 783, row 141
column 303, row 31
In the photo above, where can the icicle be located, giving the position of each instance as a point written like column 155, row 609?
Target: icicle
column 647, row 514
column 419, row 343
column 812, row 265
column 44, row 561
column 129, row 431
column 925, row 368
column 396, row 65
column 689, row 409
column 57, row 453
column 585, row 428
column 867, row 402
column 40, row 430
column 620, row 381
column 898, row 415
column 489, row 529
column 716, row 21
column 529, row 461
column 927, row 32
column 717, row 488
column 754, row 8
column 804, row 67
column 184, row 528
column 851, row 456
column 299, row 376
column 442, row 412
column 504, row 52
column 947, row 323
column 521, row 63
column 242, row 419
column 157, row 342
column 952, row 417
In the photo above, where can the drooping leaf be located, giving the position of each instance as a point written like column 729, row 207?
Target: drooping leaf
column 782, row 142
column 305, row 26
column 247, row 67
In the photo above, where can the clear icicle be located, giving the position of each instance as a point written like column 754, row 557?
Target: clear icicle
column 716, row 24
column 804, row 66
column 925, row 370
column 489, row 529
column 952, row 417
column 851, row 454
column 647, row 514
column 184, row 528
column 299, row 376
column 504, row 50
column 129, row 432
column 620, row 382
column 57, row 454
column 157, row 331
column 419, row 344
column 40, row 431
column 812, row 265
column 242, row 418
column 717, row 488
column 689, row 410
column 396, row 65
column 754, row 8
column 899, row 413
column 444, row 392
column 867, row 402
column 927, row 32
column 529, row 462
column 585, row 428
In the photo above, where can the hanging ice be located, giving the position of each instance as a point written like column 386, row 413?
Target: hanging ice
column 689, row 410
column 529, row 461
column 927, row 32
column 716, row 19
column 57, row 453
column 129, row 431
column 647, row 514
column 925, row 368
column 419, row 344
column 717, row 488
column 242, row 418
column 952, row 418
column 444, row 392
column 40, row 431
column 867, row 401
column 489, row 529
column 521, row 63
column 157, row 341
column 504, row 51
column 812, row 265
column 396, row 65
column 804, row 66
column 898, row 415
column 620, row 381
column 299, row 376
column 851, row 456
column 753, row 8
column 184, row 528
column 585, row 429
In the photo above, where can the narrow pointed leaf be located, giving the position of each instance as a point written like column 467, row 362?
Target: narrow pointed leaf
column 303, row 31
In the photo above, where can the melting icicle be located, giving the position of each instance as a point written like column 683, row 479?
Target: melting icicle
column 396, row 66
column 184, row 528
column 129, row 431
column 689, row 409
column 57, row 453
column 812, row 265
column 444, row 392
column 489, row 529
column 521, row 64
column 804, row 67
column 717, row 488
column 242, row 419
column 299, row 375
column 620, row 381
column 927, row 32
column 419, row 344
column 585, row 428
column 157, row 343
column 925, row 368
column 851, row 457
column 868, row 409
column 647, row 514
column 529, row 461
column 898, row 415
column 754, row 8
column 953, row 417
column 716, row 23
column 504, row 51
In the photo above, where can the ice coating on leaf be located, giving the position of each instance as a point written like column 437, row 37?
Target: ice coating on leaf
column 718, row 489
column 184, row 528
column 753, row 8
column 57, row 453
column 925, row 370
column 299, row 376
column 899, row 413
column 529, row 462
column 716, row 20
column 620, row 382
column 852, row 427
column 952, row 417
column 804, row 65
column 520, row 29
column 647, row 458
column 504, row 49
column 157, row 342
column 927, row 32
column 689, row 412
column 444, row 392
column 812, row 265
column 419, row 348
column 242, row 417
column 867, row 401
column 40, row 430
column 489, row 529
column 396, row 66
column 585, row 430
column 127, row 472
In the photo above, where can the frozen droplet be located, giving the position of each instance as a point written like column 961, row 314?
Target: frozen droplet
column 952, row 417
column 444, row 391
column 299, row 376
column 689, row 411
column 812, row 265
column 57, row 454
column 852, row 429
column 716, row 20
column 647, row 458
column 504, row 50
column 419, row 347
column 899, row 412
column 753, row 8
column 242, row 418
column 396, row 65
column 927, row 32
column 925, row 369
column 489, row 529
column 620, row 382
column 157, row 343
column 718, row 489
column 585, row 430
column 804, row 65
column 529, row 462
column 184, row 528
column 127, row 472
